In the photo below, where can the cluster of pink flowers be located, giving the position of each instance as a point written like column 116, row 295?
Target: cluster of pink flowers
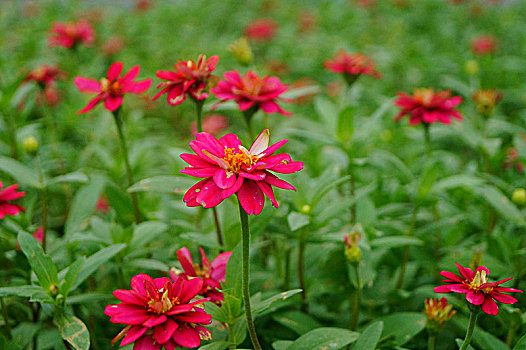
column 46, row 77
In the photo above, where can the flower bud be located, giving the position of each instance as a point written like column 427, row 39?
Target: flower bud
column 352, row 251
column 486, row 101
column 305, row 209
column 438, row 312
column 471, row 67
column 30, row 144
column 53, row 289
column 241, row 51
column 519, row 196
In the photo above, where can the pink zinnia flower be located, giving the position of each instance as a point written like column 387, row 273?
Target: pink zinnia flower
column 111, row 90
column 212, row 273
column 352, row 66
column 188, row 78
column 438, row 312
column 212, row 124
column 45, row 75
column 483, row 45
column 261, row 29
column 70, row 34
column 10, row 194
column 428, row 106
column 158, row 313
column 230, row 168
column 251, row 91
column 477, row 289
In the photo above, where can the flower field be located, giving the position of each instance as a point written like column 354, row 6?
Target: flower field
column 263, row 174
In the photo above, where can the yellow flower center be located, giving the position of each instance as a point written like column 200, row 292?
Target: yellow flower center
column 235, row 160
column 113, row 88
column 164, row 304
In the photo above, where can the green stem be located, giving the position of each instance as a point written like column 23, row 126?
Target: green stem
column 431, row 341
column 245, row 230
column 231, row 338
column 469, row 331
column 118, row 121
column 6, row 318
column 405, row 254
column 353, row 191
column 301, row 274
column 427, row 136
column 286, row 279
column 248, row 114
column 43, row 202
column 356, row 300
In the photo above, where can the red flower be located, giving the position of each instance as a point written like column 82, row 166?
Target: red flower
column 111, row 90
column 158, row 313
column 10, row 194
column 477, row 289
column 230, row 168
column 438, row 312
column 102, row 206
column 251, row 91
column 261, row 29
column 70, row 34
column 352, row 66
column 188, row 77
column 211, row 273
column 483, row 45
column 427, row 106
column 45, row 75
column 212, row 124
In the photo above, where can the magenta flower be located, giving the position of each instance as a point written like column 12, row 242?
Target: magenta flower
column 251, row 91
column 70, row 34
column 477, row 289
column 158, row 313
column 352, row 65
column 7, row 195
column 428, row 106
column 227, row 168
column 112, row 89
column 211, row 273
column 188, row 78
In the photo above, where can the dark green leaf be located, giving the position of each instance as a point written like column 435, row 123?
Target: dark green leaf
column 259, row 305
column 403, row 325
column 297, row 321
column 297, row 220
column 73, row 330
column 369, row 337
column 163, row 184
column 325, row 338
column 83, row 205
column 24, row 175
column 71, row 276
column 395, row 241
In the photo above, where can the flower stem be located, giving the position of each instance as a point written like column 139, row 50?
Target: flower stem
column 6, row 319
column 356, row 299
column 245, row 230
column 248, row 114
column 231, row 338
column 353, row 190
column 199, row 127
column 431, row 340
column 427, row 136
column 43, row 202
column 301, row 275
column 469, row 331
column 405, row 254
column 118, row 121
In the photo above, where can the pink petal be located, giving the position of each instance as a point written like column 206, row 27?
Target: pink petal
column 113, row 102
column 137, row 87
column 194, row 160
column 230, row 141
column 131, row 74
column 273, row 180
column 87, row 85
column 255, row 175
column 187, row 337
column 91, row 104
column 114, row 71
column 138, row 284
column 185, row 258
column 475, row 298
column 191, row 195
column 200, row 172
column 147, row 343
column 219, row 266
column 210, row 194
column 442, row 289
column 224, row 179
column 267, row 190
column 490, row 306
column 129, row 296
column 191, row 289
column 459, row 288
column 133, row 334
column 251, row 198
column 194, row 317
column 261, row 143
column 289, row 168
column 155, row 320
column 164, row 332
column 503, row 298
column 230, row 191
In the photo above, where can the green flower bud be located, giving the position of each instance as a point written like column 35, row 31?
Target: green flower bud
column 30, row 144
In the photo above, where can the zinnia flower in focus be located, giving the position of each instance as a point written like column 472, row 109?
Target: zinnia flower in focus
column 428, row 106
column 483, row 45
column 477, row 288
column 112, row 89
column 212, row 124
column 212, row 273
column 71, row 34
column 188, row 78
column 486, row 101
column 227, row 168
column 251, row 91
column 158, row 313
column 262, row 29
column 351, row 66
column 438, row 312
column 7, row 195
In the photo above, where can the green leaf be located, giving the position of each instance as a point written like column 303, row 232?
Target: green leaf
column 324, row 339
column 120, row 201
column 259, row 305
column 23, row 174
column 297, row 220
column 345, row 126
column 327, row 111
column 26, row 291
column 71, row 177
column 521, row 344
column 83, row 205
column 217, row 345
column 150, row 264
column 395, row 241
column 23, row 335
column 426, row 181
column 233, row 273
column 163, row 184
column 239, row 331
column 73, row 330
column 95, row 261
column 500, row 202
column 218, row 313
column 71, row 276
column 297, row 321
column 370, row 336
column 403, row 325
column 41, row 263
column 461, row 341
column 462, row 180
column 319, row 194
column 146, row 232
column 282, row 344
